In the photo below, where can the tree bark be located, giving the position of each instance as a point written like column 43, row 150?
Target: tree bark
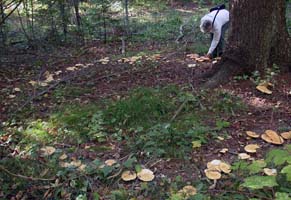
column 62, row 4
column 2, row 31
column 258, row 38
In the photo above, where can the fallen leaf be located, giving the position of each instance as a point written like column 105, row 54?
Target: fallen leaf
column 145, row 175
column 43, row 84
column 128, row 176
column 251, row 148
column 220, row 138
column 72, row 68
column 17, row 89
column 49, row 78
column 79, row 65
column 47, row 151
column 192, row 56
column 224, row 150
column 63, row 157
column 196, row 144
column 12, row 96
column 64, row 164
column 33, row 83
column 192, row 65
column 76, row 163
column 82, row 167
column 58, row 72
column 104, row 61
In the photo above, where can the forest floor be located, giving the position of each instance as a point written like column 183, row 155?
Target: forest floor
column 86, row 77
column 43, row 95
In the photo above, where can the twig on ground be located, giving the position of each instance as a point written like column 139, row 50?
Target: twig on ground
column 178, row 111
column 117, row 174
column 25, row 177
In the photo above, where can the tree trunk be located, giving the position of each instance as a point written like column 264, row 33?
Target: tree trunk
column 126, row 19
column 62, row 4
column 2, row 29
column 104, row 11
column 258, row 38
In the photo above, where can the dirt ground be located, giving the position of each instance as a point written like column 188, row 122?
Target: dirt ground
column 116, row 78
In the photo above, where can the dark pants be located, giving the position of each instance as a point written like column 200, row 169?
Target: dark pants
column 219, row 49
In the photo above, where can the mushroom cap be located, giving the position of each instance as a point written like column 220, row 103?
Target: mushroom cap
column 272, row 137
column 212, row 174
column 145, row 175
column 224, row 167
column 286, row 135
column 128, row 175
column 270, row 172
column 251, row 148
column 263, row 89
column 252, row 134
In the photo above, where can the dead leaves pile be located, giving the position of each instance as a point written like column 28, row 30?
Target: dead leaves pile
column 134, row 59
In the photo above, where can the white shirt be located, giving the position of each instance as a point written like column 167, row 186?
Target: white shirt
column 221, row 19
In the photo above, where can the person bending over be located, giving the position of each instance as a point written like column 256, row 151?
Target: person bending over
column 216, row 23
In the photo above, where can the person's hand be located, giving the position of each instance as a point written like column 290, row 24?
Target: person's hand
column 208, row 56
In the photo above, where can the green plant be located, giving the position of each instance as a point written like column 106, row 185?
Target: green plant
column 225, row 102
column 77, row 123
column 268, row 76
column 276, row 185
column 143, row 108
column 163, row 140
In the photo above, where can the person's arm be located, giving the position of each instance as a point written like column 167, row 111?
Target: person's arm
column 215, row 40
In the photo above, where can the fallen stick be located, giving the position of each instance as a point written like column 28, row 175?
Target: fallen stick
column 25, row 177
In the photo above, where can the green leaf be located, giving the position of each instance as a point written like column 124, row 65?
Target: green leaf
column 96, row 196
column 287, row 170
column 106, row 170
column 278, row 157
column 239, row 166
column 199, row 197
column 137, row 168
column 282, row 196
column 222, row 124
column 196, row 144
column 257, row 166
column 81, row 197
column 129, row 162
column 176, row 197
column 259, row 182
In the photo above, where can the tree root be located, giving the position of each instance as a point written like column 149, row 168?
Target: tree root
column 221, row 73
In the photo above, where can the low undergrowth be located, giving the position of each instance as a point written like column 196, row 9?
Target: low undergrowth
column 148, row 124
